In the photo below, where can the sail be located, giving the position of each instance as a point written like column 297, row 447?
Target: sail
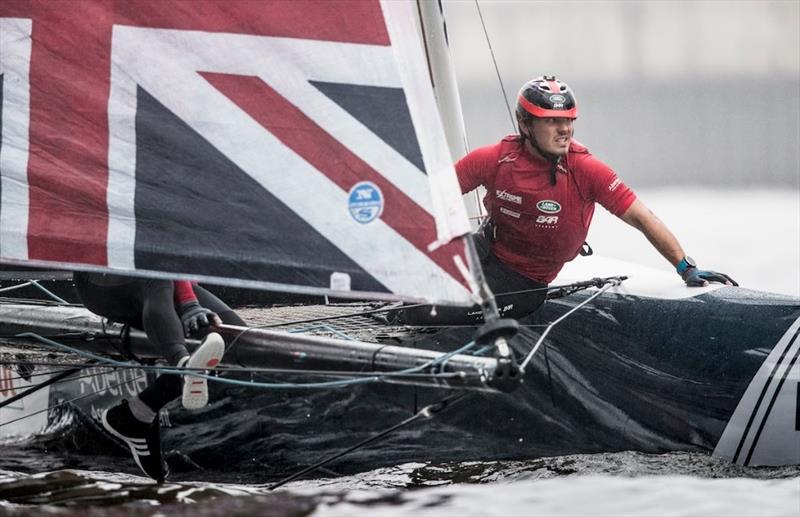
column 293, row 146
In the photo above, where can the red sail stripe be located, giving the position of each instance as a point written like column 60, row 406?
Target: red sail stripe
column 68, row 164
column 352, row 21
column 328, row 155
column 69, row 74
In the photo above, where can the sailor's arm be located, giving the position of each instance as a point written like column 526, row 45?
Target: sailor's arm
column 192, row 314
column 663, row 240
column 473, row 168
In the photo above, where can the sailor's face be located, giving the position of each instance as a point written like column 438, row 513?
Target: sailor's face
column 553, row 134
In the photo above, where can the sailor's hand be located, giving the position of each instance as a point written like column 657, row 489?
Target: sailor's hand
column 194, row 317
column 695, row 277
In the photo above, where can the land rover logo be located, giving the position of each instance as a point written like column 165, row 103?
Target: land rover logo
column 557, row 99
column 549, row 207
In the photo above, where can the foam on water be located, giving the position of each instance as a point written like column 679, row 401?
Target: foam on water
column 592, row 485
column 625, row 483
column 594, row 495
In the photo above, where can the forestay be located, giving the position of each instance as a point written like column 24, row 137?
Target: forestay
column 286, row 145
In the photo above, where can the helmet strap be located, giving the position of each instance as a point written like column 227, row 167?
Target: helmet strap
column 554, row 159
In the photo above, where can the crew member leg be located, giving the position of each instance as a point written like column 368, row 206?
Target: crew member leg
column 163, row 327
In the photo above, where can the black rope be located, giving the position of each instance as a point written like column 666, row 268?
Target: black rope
column 496, row 68
column 560, row 291
column 223, row 370
column 70, row 401
column 426, row 412
column 47, row 382
column 56, row 372
column 549, row 377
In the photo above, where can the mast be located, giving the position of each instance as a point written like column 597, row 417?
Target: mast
column 433, row 32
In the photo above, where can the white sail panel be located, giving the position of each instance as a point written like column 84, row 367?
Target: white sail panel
column 244, row 143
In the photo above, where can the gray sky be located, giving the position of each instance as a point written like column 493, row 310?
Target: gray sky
column 669, row 92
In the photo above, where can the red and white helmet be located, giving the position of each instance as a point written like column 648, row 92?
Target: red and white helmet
column 546, row 96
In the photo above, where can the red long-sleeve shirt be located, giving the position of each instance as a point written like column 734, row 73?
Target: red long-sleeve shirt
column 184, row 292
column 541, row 226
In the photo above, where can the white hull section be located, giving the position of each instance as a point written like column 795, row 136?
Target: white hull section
column 765, row 428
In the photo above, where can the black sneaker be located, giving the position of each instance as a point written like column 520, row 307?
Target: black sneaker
column 143, row 439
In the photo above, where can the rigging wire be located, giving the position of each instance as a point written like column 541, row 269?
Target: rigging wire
column 49, row 293
column 29, row 390
column 560, row 291
column 16, row 286
column 52, row 372
column 496, row 67
column 560, row 319
column 427, row 412
column 440, row 361
column 70, row 401
column 565, row 289
column 376, row 377
column 225, row 370
column 34, row 283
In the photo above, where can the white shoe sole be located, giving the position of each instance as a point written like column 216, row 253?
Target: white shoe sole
column 208, row 355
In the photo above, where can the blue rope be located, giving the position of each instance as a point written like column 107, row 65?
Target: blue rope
column 41, row 288
column 49, row 293
column 265, row 385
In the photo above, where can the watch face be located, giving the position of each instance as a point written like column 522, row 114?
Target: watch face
column 690, row 261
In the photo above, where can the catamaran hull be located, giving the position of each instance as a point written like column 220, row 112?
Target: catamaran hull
column 715, row 372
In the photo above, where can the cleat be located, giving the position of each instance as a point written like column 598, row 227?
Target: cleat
column 142, row 439
column 207, row 355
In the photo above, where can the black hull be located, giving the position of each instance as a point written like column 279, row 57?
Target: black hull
column 624, row 373
column 650, row 375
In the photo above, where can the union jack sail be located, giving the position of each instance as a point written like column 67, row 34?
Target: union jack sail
column 291, row 145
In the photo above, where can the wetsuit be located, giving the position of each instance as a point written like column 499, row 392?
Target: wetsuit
column 537, row 226
column 150, row 305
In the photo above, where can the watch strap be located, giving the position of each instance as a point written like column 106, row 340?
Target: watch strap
column 684, row 264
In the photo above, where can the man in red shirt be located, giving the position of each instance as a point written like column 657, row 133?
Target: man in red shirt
column 541, row 189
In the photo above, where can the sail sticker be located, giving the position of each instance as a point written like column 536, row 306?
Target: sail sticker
column 365, row 202
column 340, row 281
